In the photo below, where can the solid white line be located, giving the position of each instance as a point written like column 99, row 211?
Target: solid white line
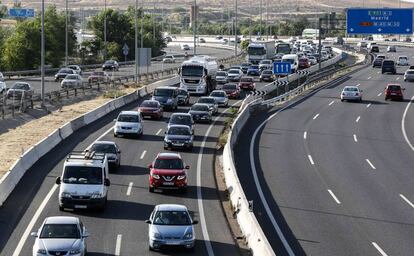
column 369, row 162
column 369, row 105
column 305, row 135
column 406, row 200
column 311, row 160
column 379, row 249
column 128, row 193
column 398, row 78
column 33, row 221
column 118, row 245
column 378, row 72
column 379, row 94
column 355, row 138
column 357, row 120
column 369, row 78
column 334, row 197
column 143, row 154
column 332, row 102
column 403, row 125
column 358, row 85
column 159, row 131
column 103, row 135
column 316, row 116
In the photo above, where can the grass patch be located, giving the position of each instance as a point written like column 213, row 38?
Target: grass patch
column 227, row 127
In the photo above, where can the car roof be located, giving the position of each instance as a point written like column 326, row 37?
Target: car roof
column 179, row 126
column 149, row 101
column 129, row 113
column 104, row 142
column 171, row 207
column 351, row 86
column 206, row 97
column 61, row 220
column 169, row 155
column 180, row 114
column 200, row 104
column 394, row 85
column 218, row 91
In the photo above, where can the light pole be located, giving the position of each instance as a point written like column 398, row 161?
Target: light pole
column 153, row 22
column 260, row 18
column 136, row 41
column 66, row 34
column 195, row 26
column 142, row 25
column 235, row 28
column 42, row 55
column 105, row 31
column 267, row 18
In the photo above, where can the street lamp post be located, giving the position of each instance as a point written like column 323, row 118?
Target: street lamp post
column 66, row 34
column 105, row 31
column 42, row 55
column 235, row 28
column 260, row 18
column 195, row 26
column 136, row 40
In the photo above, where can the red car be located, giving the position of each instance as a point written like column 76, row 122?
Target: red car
column 394, row 92
column 304, row 63
column 99, row 76
column 232, row 91
column 247, row 83
column 168, row 171
column 151, row 108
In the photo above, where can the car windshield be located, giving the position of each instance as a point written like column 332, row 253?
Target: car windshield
column 207, row 100
column 20, row 86
column 63, row 231
column 103, row 148
column 199, row 108
column 72, row 77
column 221, row 73
column 173, row 164
column 128, row 118
column 149, row 104
column 291, row 61
column 254, row 67
column 403, row 58
column 350, row 89
column 163, row 92
column 182, row 92
column 178, row 131
column 388, row 62
column 234, row 71
column 266, row 62
column 256, row 50
column 82, row 175
column 66, row 71
column 196, row 71
column 229, row 87
column 110, row 62
column 180, row 119
column 267, row 72
column 217, row 94
column 246, row 64
column 394, row 88
column 246, row 79
column 168, row 57
column 410, row 72
column 175, row 218
column 98, row 73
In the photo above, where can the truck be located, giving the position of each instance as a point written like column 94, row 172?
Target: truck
column 198, row 74
column 260, row 50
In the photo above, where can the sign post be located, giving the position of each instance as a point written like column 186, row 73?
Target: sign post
column 282, row 68
column 125, row 51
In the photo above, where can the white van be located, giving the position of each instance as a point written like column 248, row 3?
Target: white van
column 293, row 59
column 84, row 182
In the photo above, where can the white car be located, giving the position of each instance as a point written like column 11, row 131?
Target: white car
column 221, row 97
column 1, row 77
column 169, row 59
column 402, row 61
column 60, row 235
column 128, row 123
column 234, row 75
column 185, row 47
column 3, row 87
column 312, row 60
column 72, row 81
column 351, row 93
column 76, row 68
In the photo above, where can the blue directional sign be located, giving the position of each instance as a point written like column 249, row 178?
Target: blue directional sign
column 379, row 21
column 282, row 68
column 22, row 13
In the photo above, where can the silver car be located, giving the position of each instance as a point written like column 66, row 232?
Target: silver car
column 201, row 112
column 178, row 136
column 221, row 97
column 128, row 123
column 221, row 77
column 211, row 102
column 19, row 89
column 409, row 75
column 170, row 225
column 351, row 93
column 72, row 81
column 234, row 75
column 3, row 87
column 60, row 235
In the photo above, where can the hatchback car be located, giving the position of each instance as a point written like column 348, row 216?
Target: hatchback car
column 388, row 66
column 232, row 91
column 377, row 62
column 128, row 123
column 253, row 70
column 409, row 75
column 72, row 82
column 265, row 64
column 110, row 149
column 178, row 136
column 220, row 97
column 402, row 61
column 394, row 92
column 60, row 235
column 181, row 119
column 170, row 225
column 245, row 66
column 211, row 102
column 99, row 77
column 234, row 75
column 151, row 108
column 267, row 75
column 221, row 77
column 77, row 69
column 391, row 48
column 351, row 93
column 247, row 83
column 63, row 72
column 168, row 171
column 19, row 89
column 201, row 113
column 185, row 47
column 183, row 97
column 304, row 63
column 169, row 59
column 110, row 65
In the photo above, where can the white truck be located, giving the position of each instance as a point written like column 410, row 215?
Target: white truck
column 260, row 50
column 198, row 75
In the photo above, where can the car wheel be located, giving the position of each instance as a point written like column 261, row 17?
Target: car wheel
column 151, row 190
column 115, row 135
column 183, row 190
column 342, row 99
column 61, row 208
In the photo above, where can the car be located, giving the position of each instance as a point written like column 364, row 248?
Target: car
column 247, row 83
column 267, row 75
column 202, row 41
column 236, row 67
column 220, row 97
column 409, row 75
column 219, row 37
column 312, row 60
column 232, row 90
column 351, row 93
column 394, row 92
column 374, row 48
column 178, row 136
column 253, row 70
column 76, row 68
column 402, row 61
column 128, row 123
column 245, row 66
column 3, row 87
column 168, row 39
column 168, row 171
column 201, row 113
column 171, row 225
column 388, row 66
column 265, row 64
column 381, row 57
column 18, row 89
column 183, row 97
column 112, row 151
column 185, row 47
column 181, row 119
column 111, row 65
column 60, row 235
column 99, row 77
column 211, row 102
column 234, row 75
column 63, row 72
column 1, row 77
column 168, row 59
column 362, row 44
column 303, row 63
column 151, row 108
column 221, row 77
column 72, row 82
column 166, row 96
column 391, row 48
column 377, row 62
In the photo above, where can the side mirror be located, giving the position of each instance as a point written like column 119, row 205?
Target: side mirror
column 86, row 234
column 150, row 166
column 107, row 183
column 119, row 151
column 58, row 180
column 195, row 222
column 148, row 221
column 33, row 234
column 187, row 167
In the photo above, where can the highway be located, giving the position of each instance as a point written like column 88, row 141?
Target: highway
column 335, row 178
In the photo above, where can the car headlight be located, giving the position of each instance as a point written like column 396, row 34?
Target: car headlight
column 188, row 235
column 167, row 140
column 96, row 195
column 181, row 177
column 66, row 195
column 41, row 251
column 156, row 235
column 169, row 100
column 118, row 127
column 156, row 176
column 77, row 251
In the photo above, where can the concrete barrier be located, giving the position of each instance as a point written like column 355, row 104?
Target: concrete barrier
column 66, row 130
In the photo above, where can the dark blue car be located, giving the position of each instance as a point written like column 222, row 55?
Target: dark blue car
column 253, row 70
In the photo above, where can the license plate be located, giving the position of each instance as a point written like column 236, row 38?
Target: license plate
column 393, row 94
column 173, row 242
column 168, row 183
column 178, row 144
column 80, row 206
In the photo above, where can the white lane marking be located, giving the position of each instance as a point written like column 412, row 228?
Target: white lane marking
column 369, row 105
column 379, row 94
column 305, row 135
column 369, row 78
column 403, row 125
column 159, row 131
column 355, row 138
column 143, row 154
column 369, row 162
column 333, row 196
column 332, row 102
column 357, row 120
column 103, row 135
column 358, row 85
column 378, row 72
column 311, row 160
column 128, row 193
column 407, row 201
column 398, row 78
column 33, row 221
column 118, row 245
column 381, row 251
column 316, row 116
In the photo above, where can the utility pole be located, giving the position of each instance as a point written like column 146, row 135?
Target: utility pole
column 136, row 41
column 153, row 22
column 260, row 18
column 66, row 34
column 42, row 55
column 142, row 25
column 235, row 28
column 195, row 26
column 267, row 18
column 105, row 31
column 250, row 23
